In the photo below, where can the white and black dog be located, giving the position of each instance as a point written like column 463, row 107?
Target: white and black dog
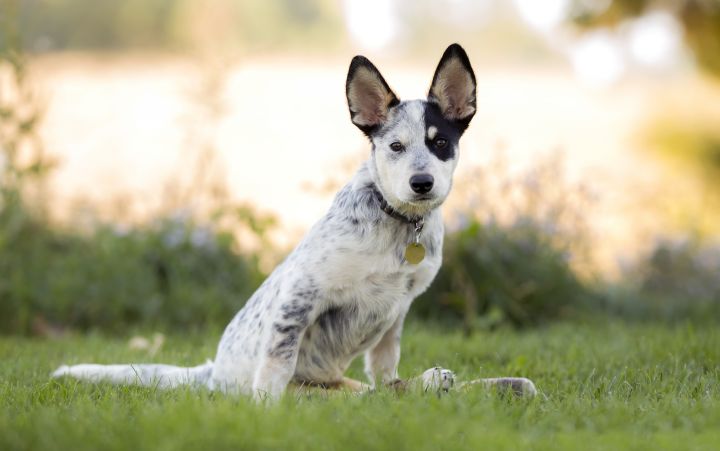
column 347, row 287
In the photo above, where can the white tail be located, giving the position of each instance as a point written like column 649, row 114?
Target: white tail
column 155, row 375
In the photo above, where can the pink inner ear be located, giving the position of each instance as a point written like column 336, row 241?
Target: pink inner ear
column 459, row 96
column 368, row 98
column 371, row 107
column 454, row 91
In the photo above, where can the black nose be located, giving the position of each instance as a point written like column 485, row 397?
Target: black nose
column 421, row 183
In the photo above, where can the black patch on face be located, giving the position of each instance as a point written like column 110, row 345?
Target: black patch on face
column 450, row 130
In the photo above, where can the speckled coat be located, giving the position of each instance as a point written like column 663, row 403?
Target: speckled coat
column 344, row 291
column 347, row 287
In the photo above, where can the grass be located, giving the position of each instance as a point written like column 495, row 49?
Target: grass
column 603, row 386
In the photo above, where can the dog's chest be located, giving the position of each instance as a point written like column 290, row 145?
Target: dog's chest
column 336, row 337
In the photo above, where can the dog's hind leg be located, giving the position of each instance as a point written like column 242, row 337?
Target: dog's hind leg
column 440, row 380
column 346, row 386
column 158, row 375
column 519, row 386
column 433, row 380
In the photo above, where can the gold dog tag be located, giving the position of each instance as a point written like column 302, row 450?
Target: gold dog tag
column 414, row 253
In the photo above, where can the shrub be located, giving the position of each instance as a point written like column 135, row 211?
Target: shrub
column 172, row 273
column 513, row 274
column 515, row 257
column 676, row 279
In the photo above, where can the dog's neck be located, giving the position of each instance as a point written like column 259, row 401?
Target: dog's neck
column 366, row 177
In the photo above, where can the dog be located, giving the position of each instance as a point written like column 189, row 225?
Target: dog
column 346, row 289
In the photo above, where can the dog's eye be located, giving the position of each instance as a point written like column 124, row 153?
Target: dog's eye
column 396, row 146
column 440, row 143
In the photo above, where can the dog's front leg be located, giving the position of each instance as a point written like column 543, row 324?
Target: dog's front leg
column 381, row 362
column 272, row 377
column 277, row 366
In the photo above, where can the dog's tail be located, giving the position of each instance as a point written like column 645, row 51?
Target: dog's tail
column 150, row 375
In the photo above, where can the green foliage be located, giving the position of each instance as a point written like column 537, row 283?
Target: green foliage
column 686, row 139
column 700, row 144
column 106, row 24
column 699, row 18
column 23, row 164
column 602, row 386
column 690, row 140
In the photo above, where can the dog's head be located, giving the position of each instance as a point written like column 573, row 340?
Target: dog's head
column 414, row 143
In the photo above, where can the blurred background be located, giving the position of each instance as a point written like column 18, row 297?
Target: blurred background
column 159, row 157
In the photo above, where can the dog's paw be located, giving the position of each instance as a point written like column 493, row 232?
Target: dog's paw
column 438, row 380
column 519, row 386
column 528, row 388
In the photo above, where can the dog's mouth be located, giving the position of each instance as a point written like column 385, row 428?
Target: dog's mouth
column 422, row 198
column 421, row 204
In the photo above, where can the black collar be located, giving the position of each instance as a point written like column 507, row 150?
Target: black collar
column 390, row 211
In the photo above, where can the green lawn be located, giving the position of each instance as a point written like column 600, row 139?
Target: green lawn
column 602, row 386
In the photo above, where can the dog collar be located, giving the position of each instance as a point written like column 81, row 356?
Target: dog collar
column 390, row 211
column 415, row 251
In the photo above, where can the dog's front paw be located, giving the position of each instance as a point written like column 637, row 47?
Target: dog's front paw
column 438, row 380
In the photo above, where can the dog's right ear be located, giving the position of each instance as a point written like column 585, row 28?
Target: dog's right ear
column 369, row 96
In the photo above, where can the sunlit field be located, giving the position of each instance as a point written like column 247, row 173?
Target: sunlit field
column 601, row 386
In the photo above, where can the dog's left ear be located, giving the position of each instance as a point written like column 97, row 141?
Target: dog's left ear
column 453, row 86
column 368, row 94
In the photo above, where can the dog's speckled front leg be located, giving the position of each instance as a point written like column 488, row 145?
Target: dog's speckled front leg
column 381, row 362
column 281, row 350
column 272, row 377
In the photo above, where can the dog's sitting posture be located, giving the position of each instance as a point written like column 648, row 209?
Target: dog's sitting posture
column 347, row 287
